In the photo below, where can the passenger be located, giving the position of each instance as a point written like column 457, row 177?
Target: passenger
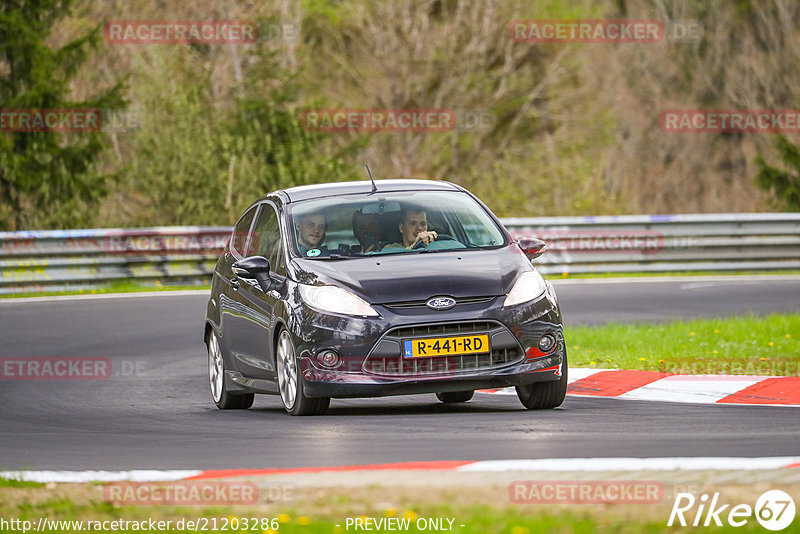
column 311, row 233
column 413, row 226
column 367, row 230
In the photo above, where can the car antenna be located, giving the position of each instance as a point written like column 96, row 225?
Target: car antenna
column 374, row 187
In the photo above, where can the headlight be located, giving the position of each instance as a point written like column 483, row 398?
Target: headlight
column 529, row 286
column 335, row 300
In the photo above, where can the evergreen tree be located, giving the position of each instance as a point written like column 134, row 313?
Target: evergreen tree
column 785, row 183
column 47, row 178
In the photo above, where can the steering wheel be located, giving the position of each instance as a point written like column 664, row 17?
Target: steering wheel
column 439, row 237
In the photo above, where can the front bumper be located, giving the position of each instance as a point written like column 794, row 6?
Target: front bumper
column 367, row 347
column 323, row 383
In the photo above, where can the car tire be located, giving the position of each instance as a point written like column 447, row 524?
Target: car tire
column 545, row 395
column 224, row 399
column 290, row 383
column 450, row 397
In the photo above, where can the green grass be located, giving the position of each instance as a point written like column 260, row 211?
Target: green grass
column 739, row 345
column 13, row 483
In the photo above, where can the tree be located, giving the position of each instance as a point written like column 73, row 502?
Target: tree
column 785, row 183
column 47, row 177
column 214, row 141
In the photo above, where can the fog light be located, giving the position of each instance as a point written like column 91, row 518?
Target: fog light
column 328, row 358
column 546, row 343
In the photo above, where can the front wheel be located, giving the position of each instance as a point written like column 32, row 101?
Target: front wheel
column 545, row 395
column 290, row 383
column 224, row 399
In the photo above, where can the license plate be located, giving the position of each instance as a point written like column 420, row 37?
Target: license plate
column 445, row 346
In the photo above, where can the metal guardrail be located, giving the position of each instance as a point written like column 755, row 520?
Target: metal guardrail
column 665, row 243
column 37, row 261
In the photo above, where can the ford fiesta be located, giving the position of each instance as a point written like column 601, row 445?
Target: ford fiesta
column 362, row 290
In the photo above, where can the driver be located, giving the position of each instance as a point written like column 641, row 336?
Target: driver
column 311, row 233
column 413, row 226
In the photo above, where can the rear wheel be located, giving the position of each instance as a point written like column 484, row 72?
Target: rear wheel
column 290, row 383
column 450, row 397
column 224, row 399
column 545, row 395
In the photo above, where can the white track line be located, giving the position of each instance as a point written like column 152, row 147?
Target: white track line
column 548, row 464
column 580, row 373
column 552, row 277
column 108, row 296
column 699, row 389
column 634, row 464
column 98, row 476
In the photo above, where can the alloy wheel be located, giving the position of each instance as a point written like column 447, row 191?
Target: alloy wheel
column 287, row 370
column 215, row 367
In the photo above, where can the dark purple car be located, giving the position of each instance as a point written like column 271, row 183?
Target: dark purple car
column 350, row 290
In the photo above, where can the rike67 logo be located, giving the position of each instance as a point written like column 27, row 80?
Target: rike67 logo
column 774, row 510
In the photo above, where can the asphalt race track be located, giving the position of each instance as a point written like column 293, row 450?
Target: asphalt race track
column 155, row 411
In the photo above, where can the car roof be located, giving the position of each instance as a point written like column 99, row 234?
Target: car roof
column 305, row 192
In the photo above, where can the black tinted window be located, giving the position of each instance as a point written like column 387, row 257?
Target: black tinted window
column 241, row 232
column 266, row 238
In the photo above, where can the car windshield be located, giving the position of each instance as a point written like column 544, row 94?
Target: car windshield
column 391, row 223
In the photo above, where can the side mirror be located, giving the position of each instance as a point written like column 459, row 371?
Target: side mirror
column 254, row 268
column 532, row 247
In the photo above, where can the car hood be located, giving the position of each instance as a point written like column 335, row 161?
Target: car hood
column 419, row 276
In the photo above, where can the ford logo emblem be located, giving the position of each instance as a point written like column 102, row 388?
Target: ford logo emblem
column 441, row 303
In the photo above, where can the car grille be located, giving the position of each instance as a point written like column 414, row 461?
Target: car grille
column 444, row 329
column 387, row 359
column 423, row 303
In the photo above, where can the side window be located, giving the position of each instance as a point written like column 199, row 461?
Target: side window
column 241, row 231
column 266, row 239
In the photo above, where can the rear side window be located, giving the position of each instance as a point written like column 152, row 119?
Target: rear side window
column 241, row 231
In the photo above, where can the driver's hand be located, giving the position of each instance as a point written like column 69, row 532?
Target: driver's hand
column 426, row 237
